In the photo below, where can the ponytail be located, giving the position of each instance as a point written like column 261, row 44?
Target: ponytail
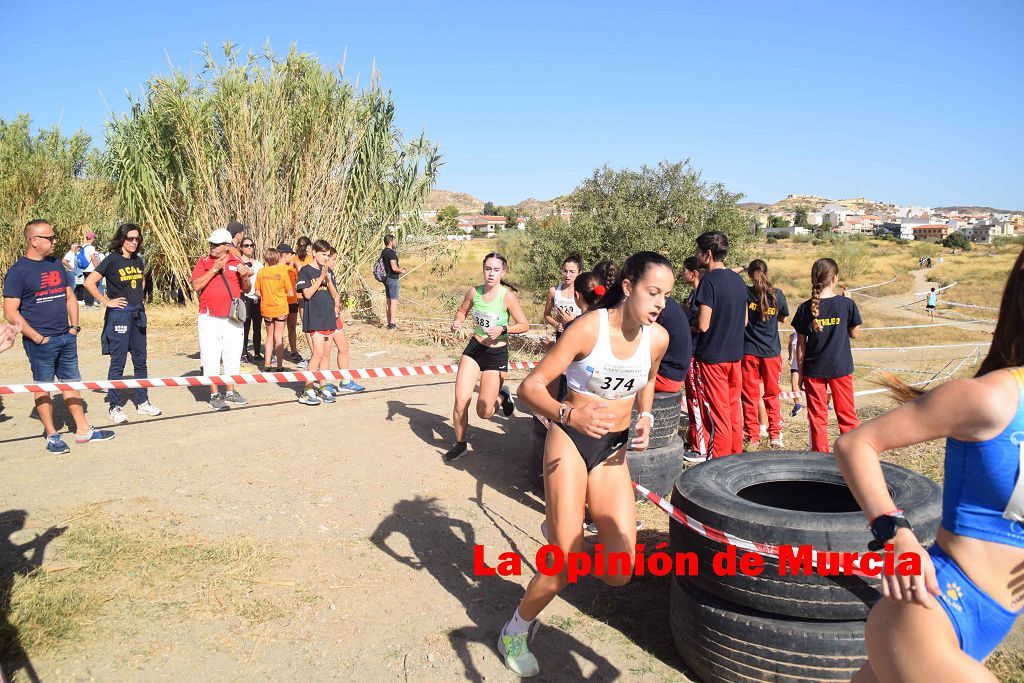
column 589, row 288
column 822, row 272
column 633, row 270
column 763, row 288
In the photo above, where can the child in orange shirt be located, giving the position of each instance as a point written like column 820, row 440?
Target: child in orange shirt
column 274, row 288
column 289, row 259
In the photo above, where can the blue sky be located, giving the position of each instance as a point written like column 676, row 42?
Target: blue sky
column 909, row 102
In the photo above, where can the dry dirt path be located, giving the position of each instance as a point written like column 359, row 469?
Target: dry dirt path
column 372, row 535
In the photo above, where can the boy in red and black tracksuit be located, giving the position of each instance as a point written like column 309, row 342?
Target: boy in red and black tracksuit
column 721, row 317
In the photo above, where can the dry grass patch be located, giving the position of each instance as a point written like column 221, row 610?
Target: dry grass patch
column 111, row 574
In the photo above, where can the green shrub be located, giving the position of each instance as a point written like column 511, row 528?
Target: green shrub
column 617, row 213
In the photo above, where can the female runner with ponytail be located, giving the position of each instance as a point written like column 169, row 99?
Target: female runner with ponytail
column 825, row 324
column 762, row 354
column 610, row 357
column 973, row 571
column 492, row 306
column 561, row 306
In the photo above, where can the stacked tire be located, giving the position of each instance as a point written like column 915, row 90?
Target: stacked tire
column 655, row 468
column 770, row 627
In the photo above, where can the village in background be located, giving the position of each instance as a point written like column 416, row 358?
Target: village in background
column 464, row 217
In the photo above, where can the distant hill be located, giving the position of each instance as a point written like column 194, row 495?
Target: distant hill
column 538, row 207
column 466, row 203
column 976, row 209
column 814, row 203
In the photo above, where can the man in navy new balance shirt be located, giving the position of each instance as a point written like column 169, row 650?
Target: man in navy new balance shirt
column 39, row 296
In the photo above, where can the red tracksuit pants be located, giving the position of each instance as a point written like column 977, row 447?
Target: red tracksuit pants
column 723, row 388
column 817, row 408
column 757, row 370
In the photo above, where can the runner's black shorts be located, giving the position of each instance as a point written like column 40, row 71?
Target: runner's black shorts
column 488, row 357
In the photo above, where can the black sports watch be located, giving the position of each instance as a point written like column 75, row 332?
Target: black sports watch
column 504, row 330
column 76, row 328
column 884, row 528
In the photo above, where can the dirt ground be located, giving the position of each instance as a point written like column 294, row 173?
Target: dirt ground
column 347, row 540
column 370, row 535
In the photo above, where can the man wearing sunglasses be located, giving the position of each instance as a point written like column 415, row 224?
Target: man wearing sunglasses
column 38, row 297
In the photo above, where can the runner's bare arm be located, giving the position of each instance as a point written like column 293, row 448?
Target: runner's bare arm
column 854, row 332
column 515, row 310
column 463, row 311
column 549, row 308
column 645, row 397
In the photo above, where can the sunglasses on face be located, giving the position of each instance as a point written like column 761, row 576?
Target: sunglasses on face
column 133, row 239
column 248, row 245
column 49, row 238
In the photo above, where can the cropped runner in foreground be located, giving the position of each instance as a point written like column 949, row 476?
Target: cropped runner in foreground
column 490, row 305
column 974, row 570
column 610, row 357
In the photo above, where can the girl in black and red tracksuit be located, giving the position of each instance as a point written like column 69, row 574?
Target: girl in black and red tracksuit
column 762, row 353
column 825, row 324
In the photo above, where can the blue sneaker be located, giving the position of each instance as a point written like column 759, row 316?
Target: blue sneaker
column 328, row 387
column 351, row 387
column 55, row 444
column 95, row 435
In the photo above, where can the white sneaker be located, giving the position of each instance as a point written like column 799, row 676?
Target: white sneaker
column 764, row 431
column 514, row 648
column 117, row 415
column 147, row 408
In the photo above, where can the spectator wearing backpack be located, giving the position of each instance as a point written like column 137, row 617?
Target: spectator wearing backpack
column 387, row 271
column 71, row 265
column 86, row 261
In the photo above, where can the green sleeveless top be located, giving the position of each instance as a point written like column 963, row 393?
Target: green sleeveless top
column 488, row 314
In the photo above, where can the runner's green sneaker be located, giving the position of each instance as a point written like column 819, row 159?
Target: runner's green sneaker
column 514, row 647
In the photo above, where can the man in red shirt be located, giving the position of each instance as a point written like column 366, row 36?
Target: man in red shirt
column 218, row 278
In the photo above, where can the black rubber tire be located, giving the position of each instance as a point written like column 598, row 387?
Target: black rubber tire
column 666, row 409
column 538, row 434
column 709, row 494
column 724, row 643
column 657, row 468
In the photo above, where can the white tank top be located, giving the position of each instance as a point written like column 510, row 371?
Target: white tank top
column 567, row 304
column 602, row 374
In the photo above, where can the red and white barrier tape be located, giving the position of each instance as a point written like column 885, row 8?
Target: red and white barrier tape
column 722, row 537
column 954, row 303
column 248, row 378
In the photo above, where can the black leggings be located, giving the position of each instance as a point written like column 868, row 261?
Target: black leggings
column 253, row 318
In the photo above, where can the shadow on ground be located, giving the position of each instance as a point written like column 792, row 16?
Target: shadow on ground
column 14, row 563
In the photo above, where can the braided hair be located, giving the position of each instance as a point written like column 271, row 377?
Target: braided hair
column 608, row 272
column 822, row 273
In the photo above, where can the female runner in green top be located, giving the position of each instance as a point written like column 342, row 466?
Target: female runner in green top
column 486, row 356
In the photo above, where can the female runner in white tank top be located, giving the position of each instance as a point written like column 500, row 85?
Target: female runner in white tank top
column 610, row 358
column 561, row 306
